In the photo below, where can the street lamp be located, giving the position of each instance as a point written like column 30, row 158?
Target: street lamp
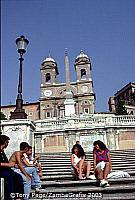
column 19, row 112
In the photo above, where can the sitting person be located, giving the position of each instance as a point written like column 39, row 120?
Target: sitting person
column 27, row 172
column 13, row 182
column 102, row 162
column 29, row 161
column 78, row 162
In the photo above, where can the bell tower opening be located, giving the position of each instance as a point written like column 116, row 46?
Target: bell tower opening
column 48, row 77
column 83, row 73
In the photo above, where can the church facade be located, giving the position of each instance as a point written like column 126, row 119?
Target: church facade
column 66, row 113
column 53, row 94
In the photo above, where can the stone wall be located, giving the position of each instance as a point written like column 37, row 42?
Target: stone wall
column 127, row 139
column 18, row 131
column 59, row 135
column 117, row 132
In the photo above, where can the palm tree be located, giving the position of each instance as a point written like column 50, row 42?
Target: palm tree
column 2, row 116
column 121, row 110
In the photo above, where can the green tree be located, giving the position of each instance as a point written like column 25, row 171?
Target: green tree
column 121, row 110
column 2, row 116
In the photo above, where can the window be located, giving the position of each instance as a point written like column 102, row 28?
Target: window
column 48, row 114
column 48, row 77
column 131, row 113
column 83, row 73
column 86, row 110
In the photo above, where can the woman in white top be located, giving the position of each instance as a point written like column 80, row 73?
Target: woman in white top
column 78, row 162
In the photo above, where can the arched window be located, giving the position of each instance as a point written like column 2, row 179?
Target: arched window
column 48, row 77
column 83, row 73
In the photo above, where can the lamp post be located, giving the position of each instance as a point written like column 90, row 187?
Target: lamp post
column 19, row 112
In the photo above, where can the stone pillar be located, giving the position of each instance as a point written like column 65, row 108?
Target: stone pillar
column 78, row 136
column 42, row 145
column 101, row 136
column 111, row 139
column 104, row 137
column 71, row 140
column 19, row 130
column 38, row 143
column 117, row 140
column 66, row 138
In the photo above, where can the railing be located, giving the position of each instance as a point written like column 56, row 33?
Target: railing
column 89, row 121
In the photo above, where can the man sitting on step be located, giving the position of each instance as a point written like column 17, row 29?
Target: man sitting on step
column 27, row 172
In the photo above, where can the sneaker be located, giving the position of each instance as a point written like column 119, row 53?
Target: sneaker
column 103, row 183
column 37, row 190
column 92, row 177
column 33, row 187
column 107, row 185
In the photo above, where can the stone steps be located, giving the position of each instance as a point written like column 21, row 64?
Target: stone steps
column 87, row 155
column 58, row 177
column 61, row 176
column 88, row 190
column 69, row 170
column 114, row 164
column 69, row 165
column 85, row 182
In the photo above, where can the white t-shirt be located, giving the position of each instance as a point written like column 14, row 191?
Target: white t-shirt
column 76, row 160
column 29, row 159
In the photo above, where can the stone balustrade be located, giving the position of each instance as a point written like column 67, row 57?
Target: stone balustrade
column 86, row 121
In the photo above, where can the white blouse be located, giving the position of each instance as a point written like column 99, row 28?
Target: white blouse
column 76, row 160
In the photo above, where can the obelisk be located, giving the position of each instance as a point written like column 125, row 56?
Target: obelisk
column 69, row 102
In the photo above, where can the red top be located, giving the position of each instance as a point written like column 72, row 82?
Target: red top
column 101, row 156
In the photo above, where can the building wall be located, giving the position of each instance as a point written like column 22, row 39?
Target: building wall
column 31, row 109
column 54, row 104
column 126, row 95
column 127, row 139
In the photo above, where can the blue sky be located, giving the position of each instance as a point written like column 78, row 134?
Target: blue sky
column 103, row 29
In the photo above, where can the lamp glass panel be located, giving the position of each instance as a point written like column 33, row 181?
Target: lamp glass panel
column 21, row 44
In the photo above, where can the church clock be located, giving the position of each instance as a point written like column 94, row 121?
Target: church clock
column 84, row 88
column 48, row 93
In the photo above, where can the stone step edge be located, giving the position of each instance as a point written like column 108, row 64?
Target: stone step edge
column 126, row 196
column 59, row 177
column 112, row 189
column 56, row 172
column 82, row 182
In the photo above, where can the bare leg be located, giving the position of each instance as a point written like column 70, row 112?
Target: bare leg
column 99, row 174
column 106, row 170
column 40, row 173
column 88, row 169
column 80, row 169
